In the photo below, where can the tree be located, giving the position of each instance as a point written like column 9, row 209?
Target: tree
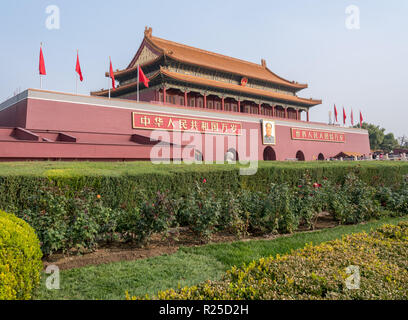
column 403, row 141
column 389, row 143
column 378, row 139
column 375, row 133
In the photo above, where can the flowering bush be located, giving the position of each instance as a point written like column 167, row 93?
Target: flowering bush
column 355, row 201
column 201, row 211
column 232, row 218
column 61, row 222
column 82, row 220
column 280, row 213
column 252, row 206
column 311, row 198
column 317, row 272
column 152, row 217
column 395, row 199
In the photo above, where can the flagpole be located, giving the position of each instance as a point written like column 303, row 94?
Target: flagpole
column 76, row 78
column 40, row 72
column 109, row 86
column 138, row 73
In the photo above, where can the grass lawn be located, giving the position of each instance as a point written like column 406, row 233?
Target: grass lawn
column 187, row 267
column 115, row 169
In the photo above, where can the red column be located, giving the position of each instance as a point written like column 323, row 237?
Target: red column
column 222, row 103
column 259, row 108
column 273, row 111
column 286, row 113
column 185, row 98
column 239, row 106
column 297, row 114
column 307, row 115
column 164, row 95
column 205, row 101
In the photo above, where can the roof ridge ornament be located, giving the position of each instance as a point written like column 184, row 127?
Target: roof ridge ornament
column 263, row 63
column 148, row 32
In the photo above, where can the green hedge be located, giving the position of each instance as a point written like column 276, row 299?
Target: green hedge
column 119, row 183
column 316, row 272
column 77, row 205
column 20, row 258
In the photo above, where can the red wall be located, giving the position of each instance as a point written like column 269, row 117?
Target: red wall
column 105, row 132
column 14, row 116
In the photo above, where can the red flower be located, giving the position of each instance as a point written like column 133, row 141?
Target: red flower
column 317, row 185
column 300, row 186
column 205, row 180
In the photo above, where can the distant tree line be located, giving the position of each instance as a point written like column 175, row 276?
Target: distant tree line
column 379, row 140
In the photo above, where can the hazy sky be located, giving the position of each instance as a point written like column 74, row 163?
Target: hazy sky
column 302, row 40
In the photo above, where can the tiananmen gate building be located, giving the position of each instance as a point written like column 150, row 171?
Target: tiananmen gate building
column 221, row 105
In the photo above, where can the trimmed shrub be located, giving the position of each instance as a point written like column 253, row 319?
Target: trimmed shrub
column 316, row 272
column 20, row 259
column 129, row 184
column 78, row 212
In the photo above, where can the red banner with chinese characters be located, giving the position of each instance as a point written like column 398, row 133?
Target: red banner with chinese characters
column 318, row 135
column 151, row 121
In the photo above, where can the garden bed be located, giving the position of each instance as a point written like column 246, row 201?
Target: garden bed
column 159, row 246
column 187, row 267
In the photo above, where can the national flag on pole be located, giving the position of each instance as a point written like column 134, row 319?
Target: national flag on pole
column 111, row 75
column 344, row 116
column 143, row 78
column 352, row 118
column 361, row 120
column 42, row 64
column 78, row 68
column 335, row 113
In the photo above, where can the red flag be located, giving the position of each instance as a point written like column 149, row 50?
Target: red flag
column 42, row 64
column 335, row 112
column 344, row 116
column 143, row 78
column 352, row 118
column 111, row 75
column 78, row 68
column 361, row 120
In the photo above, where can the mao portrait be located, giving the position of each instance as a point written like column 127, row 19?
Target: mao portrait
column 268, row 132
